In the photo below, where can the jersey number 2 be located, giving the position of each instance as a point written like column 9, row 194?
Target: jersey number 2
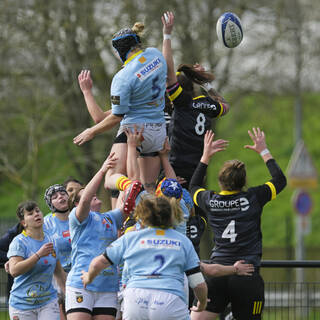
column 230, row 231
column 161, row 259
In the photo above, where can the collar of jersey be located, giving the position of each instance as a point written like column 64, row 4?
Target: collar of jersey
column 132, row 57
column 199, row 97
column 227, row 192
column 24, row 233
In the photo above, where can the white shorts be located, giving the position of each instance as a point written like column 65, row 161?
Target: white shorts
column 79, row 299
column 154, row 135
column 48, row 312
column 153, row 305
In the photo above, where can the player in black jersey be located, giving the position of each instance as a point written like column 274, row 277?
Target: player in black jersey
column 234, row 216
column 192, row 112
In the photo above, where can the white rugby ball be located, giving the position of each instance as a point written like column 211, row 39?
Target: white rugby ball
column 229, row 30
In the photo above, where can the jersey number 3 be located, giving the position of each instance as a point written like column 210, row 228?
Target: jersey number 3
column 230, row 231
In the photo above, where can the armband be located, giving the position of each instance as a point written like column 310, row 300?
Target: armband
column 264, row 152
column 195, row 279
column 167, row 36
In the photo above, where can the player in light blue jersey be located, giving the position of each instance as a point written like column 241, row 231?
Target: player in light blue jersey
column 137, row 97
column 33, row 260
column 90, row 233
column 156, row 258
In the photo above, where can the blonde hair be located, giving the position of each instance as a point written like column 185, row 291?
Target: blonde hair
column 138, row 28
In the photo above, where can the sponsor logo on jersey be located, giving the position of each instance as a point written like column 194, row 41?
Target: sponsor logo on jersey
column 142, row 59
column 66, row 234
column 229, row 205
column 203, row 106
column 115, row 100
column 149, row 69
column 161, row 243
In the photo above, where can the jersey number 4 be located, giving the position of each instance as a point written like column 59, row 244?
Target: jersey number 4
column 230, row 231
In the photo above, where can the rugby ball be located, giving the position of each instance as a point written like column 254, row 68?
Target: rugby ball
column 229, row 29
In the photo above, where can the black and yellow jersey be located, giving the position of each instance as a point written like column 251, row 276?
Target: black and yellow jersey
column 235, row 217
column 190, row 120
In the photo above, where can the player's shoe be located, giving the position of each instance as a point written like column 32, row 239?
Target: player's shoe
column 130, row 197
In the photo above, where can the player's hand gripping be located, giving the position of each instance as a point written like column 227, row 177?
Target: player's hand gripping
column 243, row 268
column 211, row 147
column 135, row 137
column 110, row 162
column 45, row 250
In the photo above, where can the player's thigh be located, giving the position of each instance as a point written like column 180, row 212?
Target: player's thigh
column 105, row 306
column 218, row 294
column 149, row 170
column 50, row 311
column 120, row 151
column 79, row 303
column 248, row 303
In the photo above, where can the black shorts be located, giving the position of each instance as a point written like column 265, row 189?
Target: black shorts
column 245, row 293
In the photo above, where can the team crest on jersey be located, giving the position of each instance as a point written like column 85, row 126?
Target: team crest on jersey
column 115, row 100
column 79, row 299
column 161, row 243
column 149, row 69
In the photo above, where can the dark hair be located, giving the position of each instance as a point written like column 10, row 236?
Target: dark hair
column 71, row 179
column 232, row 175
column 28, row 205
column 190, row 75
column 154, row 212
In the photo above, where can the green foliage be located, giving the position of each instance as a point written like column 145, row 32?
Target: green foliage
column 275, row 116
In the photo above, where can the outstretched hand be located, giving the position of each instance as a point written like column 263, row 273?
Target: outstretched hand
column 259, row 140
column 166, row 148
column 167, row 21
column 83, row 137
column 211, row 147
column 85, row 81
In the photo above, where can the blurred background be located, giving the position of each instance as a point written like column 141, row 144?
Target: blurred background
column 271, row 80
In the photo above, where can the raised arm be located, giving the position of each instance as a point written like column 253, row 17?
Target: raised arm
column 91, row 188
column 260, row 146
column 85, row 83
column 168, row 21
column 166, row 165
column 209, row 149
column 106, row 124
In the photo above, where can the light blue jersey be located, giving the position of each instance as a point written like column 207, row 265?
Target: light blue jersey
column 138, row 89
column 155, row 259
column 88, row 240
column 34, row 288
column 59, row 232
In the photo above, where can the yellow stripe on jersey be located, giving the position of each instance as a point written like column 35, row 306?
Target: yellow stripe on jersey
column 24, row 233
column 175, row 95
column 227, row 192
column 122, row 183
column 205, row 221
column 199, row 97
column 132, row 57
column 273, row 189
column 195, row 195
column 222, row 109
